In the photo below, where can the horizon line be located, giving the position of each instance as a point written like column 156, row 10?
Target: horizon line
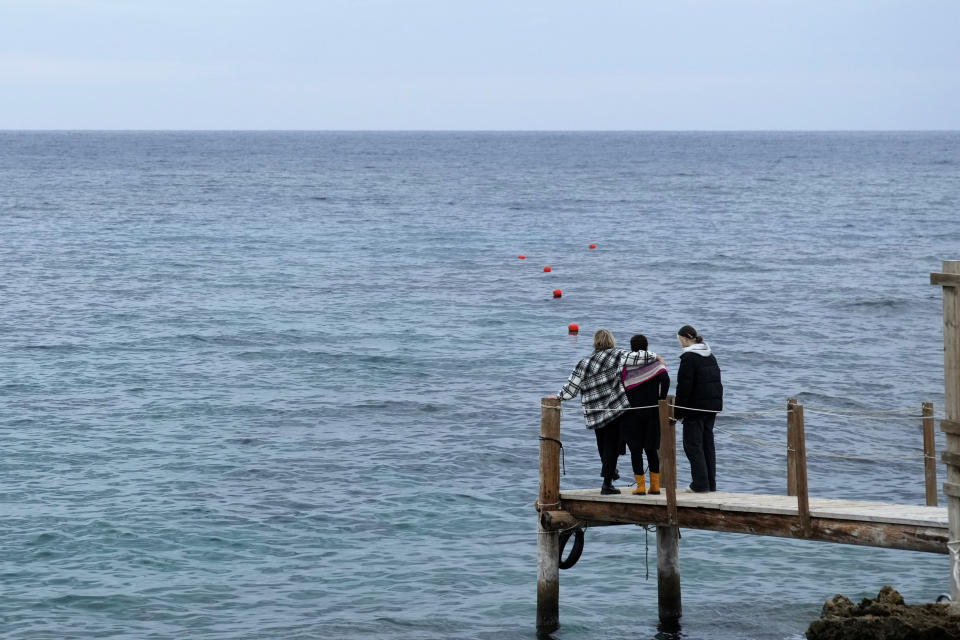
column 245, row 130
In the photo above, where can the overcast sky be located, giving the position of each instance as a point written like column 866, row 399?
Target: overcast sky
column 490, row 64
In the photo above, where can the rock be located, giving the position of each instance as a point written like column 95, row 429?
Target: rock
column 889, row 595
column 838, row 606
column 885, row 617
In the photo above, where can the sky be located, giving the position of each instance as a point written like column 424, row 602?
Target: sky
column 480, row 65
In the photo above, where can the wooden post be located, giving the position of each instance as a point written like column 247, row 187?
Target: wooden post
column 791, row 450
column 668, row 458
column 800, row 445
column 548, row 542
column 668, row 574
column 668, row 537
column 950, row 281
column 929, row 455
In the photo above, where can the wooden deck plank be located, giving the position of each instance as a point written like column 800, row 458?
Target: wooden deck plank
column 859, row 522
column 836, row 509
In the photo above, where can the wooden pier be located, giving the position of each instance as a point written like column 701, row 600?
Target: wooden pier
column 877, row 524
column 794, row 515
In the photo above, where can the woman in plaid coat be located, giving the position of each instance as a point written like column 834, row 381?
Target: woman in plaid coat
column 597, row 379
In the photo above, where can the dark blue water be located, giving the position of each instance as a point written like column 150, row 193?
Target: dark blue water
column 287, row 384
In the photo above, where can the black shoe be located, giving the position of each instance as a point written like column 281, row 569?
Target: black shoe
column 690, row 489
column 608, row 489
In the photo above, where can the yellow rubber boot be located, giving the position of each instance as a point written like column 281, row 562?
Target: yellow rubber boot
column 641, row 486
column 655, row 483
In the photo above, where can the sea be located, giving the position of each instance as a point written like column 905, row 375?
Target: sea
column 288, row 384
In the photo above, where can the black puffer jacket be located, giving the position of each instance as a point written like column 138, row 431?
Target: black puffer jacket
column 698, row 382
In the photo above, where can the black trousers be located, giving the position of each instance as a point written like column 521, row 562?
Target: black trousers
column 642, row 434
column 698, row 445
column 608, row 444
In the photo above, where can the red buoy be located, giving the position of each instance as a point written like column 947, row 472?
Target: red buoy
column 522, row 257
column 547, row 269
column 593, row 246
column 573, row 327
column 557, row 293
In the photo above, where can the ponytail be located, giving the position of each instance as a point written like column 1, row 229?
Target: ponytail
column 690, row 333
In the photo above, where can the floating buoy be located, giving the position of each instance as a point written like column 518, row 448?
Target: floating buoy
column 522, row 257
column 593, row 246
column 573, row 327
column 547, row 269
column 557, row 293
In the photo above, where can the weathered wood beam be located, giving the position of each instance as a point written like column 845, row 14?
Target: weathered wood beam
column 791, row 449
column 548, row 542
column 950, row 458
column 950, row 426
column 799, row 441
column 929, row 455
column 669, row 598
column 945, row 279
column 951, row 489
column 557, row 520
column 668, row 455
column 669, row 603
column 871, row 534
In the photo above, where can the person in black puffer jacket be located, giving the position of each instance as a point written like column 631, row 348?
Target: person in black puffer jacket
column 698, row 387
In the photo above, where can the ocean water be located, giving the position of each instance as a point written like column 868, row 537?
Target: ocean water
column 287, row 385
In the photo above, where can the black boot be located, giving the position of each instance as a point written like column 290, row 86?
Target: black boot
column 608, row 488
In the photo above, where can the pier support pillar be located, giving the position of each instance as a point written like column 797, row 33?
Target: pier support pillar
column 791, row 449
column 668, row 537
column 548, row 542
column 548, row 580
column 668, row 574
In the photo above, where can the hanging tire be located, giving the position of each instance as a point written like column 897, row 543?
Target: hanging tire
column 575, row 552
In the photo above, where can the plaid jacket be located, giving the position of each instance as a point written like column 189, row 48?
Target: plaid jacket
column 597, row 379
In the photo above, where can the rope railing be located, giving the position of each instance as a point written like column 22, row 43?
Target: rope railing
column 778, row 445
column 897, row 414
column 744, row 415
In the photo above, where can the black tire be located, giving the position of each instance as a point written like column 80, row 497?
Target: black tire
column 575, row 552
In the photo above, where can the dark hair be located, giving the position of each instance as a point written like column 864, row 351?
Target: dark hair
column 638, row 342
column 689, row 333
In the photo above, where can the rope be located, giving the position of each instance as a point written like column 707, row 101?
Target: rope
column 517, row 534
column 868, row 459
column 777, row 445
column 579, row 525
column 879, row 413
column 646, row 551
column 540, row 506
column 899, row 413
column 652, row 406
column 677, row 406
column 763, row 443
column 754, row 413
column 908, row 412
column 863, row 416
column 563, row 462
column 953, row 547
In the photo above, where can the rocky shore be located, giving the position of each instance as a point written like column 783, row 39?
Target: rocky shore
column 885, row 617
